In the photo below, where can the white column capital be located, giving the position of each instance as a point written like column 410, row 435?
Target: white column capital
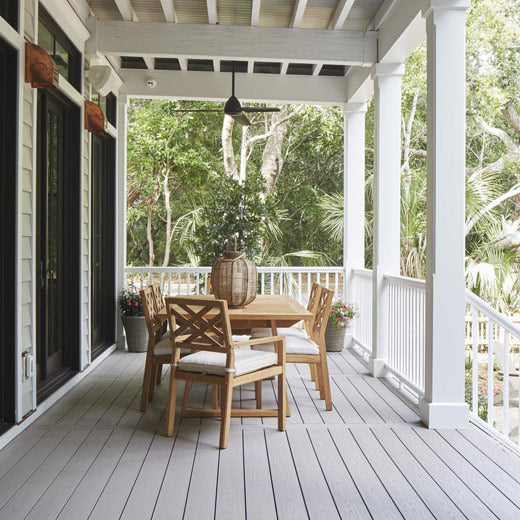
column 387, row 69
column 445, row 5
column 354, row 108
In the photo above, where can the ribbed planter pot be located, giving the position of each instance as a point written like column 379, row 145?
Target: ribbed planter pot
column 335, row 338
column 136, row 333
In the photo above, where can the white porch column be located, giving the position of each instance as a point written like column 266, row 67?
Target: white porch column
column 387, row 180
column 353, row 195
column 121, row 212
column 443, row 404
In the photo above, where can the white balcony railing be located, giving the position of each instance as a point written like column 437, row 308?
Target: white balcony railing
column 361, row 295
column 295, row 281
column 406, row 320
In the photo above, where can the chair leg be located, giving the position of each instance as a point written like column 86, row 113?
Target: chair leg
column 258, row 394
column 186, row 396
column 319, row 370
column 316, row 379
column 172, row 401
column 325, row 382
column 287, row 407
column 282, row 401
column 225, row 416
column 159, row 374
column 146, row 383
column 214, row 396
column 153, row 379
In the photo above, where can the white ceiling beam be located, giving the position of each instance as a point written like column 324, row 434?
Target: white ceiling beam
column 250, row 66
column 168, row 8
column 269, row 88
column 316, row 69
column 126, row 10
column 150, row 62
column 341, row 13
column 255, row 12
column 216, row 65
column 235, row 42
column 284, row 67
column 298, row 11
column 381, row 14
column 212, row 11
column 183, row 63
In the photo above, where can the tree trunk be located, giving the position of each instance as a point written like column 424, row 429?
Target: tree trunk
column 230, row 166
column 167, row 205
column 272, row 159
column 149, row 232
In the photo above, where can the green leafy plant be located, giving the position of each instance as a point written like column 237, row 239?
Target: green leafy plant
column 341, row 314
column 130, row 303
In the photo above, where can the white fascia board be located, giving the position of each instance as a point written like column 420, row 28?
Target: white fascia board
column 10, row 35
column 235, row 42
column 70, row 23
column 216, row 86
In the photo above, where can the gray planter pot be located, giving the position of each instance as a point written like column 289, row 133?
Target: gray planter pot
column 136, row 333
column 335, row 338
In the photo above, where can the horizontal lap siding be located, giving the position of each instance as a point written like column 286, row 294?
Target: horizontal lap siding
column 26, row 227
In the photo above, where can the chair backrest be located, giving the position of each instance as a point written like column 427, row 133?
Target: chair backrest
column 311, row 306
column 321, row 315
column 199, row 323
column 157, row 295
column 151, row 314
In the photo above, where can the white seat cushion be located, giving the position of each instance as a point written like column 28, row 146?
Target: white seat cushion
column 163, row 347
column 293, row 345
column 246, row 360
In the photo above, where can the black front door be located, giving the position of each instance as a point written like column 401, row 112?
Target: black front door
column 103, row 295
column 8, row 133
column 58, row 230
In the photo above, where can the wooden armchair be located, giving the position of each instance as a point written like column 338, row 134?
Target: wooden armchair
column 218, row 360
column 309, row 348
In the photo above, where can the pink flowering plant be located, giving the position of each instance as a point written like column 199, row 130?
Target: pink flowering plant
column 341, row 314
column 130, row 303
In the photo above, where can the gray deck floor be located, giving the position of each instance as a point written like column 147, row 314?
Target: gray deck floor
column 94, row 455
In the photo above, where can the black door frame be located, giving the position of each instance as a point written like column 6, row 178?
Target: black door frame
column 8, row 211
column 69, row 293
column 106, row 265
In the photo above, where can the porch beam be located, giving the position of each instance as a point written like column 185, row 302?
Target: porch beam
column 268, row 88
column 353, row 190
column 126, row 10
column 234, row 42
column 443, row 404
column 255, row 12
column 212, row 11
column 387, row 182
column 298, row 12
column 341, row 13
column 168, row 8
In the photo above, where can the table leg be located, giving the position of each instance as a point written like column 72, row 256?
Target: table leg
column 274, row 331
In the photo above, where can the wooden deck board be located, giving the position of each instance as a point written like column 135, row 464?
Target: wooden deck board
column 95, row 455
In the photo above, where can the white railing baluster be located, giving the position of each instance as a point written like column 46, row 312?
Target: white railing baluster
column 505, row 384
column 197, row 280
column 300, row 287
column 491, row 362
column 262, row 283
column 474, row 369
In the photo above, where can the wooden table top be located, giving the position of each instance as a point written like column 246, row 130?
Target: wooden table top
column 281, row 308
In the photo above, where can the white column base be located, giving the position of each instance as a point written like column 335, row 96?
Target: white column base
column 377, row 367
column 444, row 415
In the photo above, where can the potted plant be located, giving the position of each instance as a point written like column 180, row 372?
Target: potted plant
column 134, row 322
column 340, row 320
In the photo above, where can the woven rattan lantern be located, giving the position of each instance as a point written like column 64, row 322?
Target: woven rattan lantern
column 234, row 279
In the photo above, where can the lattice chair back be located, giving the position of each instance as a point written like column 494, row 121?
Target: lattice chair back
column 199, row 324
column 321, row 315
column 311, row 305
column 158, row 298
column 151, row 314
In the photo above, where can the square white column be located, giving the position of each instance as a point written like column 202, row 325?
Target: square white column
column 353, row 196
column 443, row 404
column 387, row 193
column 121, row 212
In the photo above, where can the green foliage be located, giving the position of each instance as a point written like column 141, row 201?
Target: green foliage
column 482, row 401
column 234, row 210
column 341, row 314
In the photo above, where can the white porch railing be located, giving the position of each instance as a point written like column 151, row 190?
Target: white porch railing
column 361, row 295
column 406, row 320
column 295, row 281
column 492, row 377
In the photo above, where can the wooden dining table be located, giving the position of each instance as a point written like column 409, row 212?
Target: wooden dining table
column 267, row 311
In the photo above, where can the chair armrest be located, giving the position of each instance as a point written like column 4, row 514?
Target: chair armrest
column 258, row 341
